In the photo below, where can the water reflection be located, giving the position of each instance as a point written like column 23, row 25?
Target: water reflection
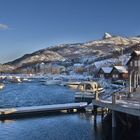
column 65, row 127
column 7, row 121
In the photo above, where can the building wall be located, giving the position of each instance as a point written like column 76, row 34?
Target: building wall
column 134, row 71
column 134, row 64
column 116, row 75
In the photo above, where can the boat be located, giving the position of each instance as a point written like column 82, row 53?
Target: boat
column 73, row 85
column 26, row 80
column 15, row 79
column 53, row 81
column 86, row 91
column 2, row 86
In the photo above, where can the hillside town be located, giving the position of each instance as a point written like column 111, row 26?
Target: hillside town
column 122, row 64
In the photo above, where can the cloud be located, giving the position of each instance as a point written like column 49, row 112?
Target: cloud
column 3, row 26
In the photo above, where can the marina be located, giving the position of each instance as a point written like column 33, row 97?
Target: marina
column 35, row 98
column 69, row 70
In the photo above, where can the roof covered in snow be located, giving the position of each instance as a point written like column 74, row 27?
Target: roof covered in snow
column 133, row 54
column 106, row 62
column 107, row 69
column 121, row 69
column 137, row 52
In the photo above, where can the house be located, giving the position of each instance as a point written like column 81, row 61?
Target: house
column 134, row 69
column 78, row 68
column 26, row 68
column 57, row 69
column 119, row 73
column 105, row 72
column 92, row 70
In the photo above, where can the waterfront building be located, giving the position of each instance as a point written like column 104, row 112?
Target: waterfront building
column 134, row 69
column 119, row 73
column 105, row 72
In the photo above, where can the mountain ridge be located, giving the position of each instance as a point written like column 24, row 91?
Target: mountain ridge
column 105, row 47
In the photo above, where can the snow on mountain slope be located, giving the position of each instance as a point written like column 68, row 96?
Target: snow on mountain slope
column 39, row 56
column 108, row 47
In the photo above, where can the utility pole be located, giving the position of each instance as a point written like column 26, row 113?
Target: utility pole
column 122, row 54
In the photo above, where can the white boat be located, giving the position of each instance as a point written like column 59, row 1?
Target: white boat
column 15, row 79
column 53, row 81
column 73, row 85
column 26, row 80
column 88, row 89
column 2, row 86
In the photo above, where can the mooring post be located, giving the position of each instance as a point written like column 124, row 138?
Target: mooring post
column 95, row 114
column 113, row 133
column 102, row 114
column 96, row 95
column 113, row 119
column 113, row 112
column 113, row 98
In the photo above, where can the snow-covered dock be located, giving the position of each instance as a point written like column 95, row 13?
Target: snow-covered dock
column 120, row 106
column 124, row 105
column 10, row 112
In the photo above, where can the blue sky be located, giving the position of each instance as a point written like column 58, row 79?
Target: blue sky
column 30, row 25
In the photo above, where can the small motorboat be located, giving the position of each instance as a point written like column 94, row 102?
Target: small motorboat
column 53, row 81
column 26, row 80
column 15, row 80
column 2, row 86
column 73, row 85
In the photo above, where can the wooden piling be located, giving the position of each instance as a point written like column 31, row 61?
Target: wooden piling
column 102, row 114
column 113, row 119
column 95, row 114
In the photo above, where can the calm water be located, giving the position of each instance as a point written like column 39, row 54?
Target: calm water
column 54, row 127
column 35, row 93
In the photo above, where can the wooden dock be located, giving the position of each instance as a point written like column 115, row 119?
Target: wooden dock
column 120, row 107
column 125, row 105
column 20, row 111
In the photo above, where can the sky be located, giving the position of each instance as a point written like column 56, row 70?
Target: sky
column 29, row 25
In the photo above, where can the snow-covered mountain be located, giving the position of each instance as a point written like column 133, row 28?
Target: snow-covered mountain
column 108, row 46
column 39, row 56
column 6, row 68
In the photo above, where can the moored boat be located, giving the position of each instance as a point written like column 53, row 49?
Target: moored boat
column 2, row 86
column 73, row 85
column 87, row 90
column 15, row 80
column 53, row 81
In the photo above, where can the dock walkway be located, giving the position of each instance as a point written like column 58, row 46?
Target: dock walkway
column 120, row 106
column 7, row 112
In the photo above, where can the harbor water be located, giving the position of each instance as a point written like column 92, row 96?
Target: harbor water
column 78, row 126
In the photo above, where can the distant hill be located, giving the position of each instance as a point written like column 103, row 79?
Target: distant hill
column 108, row 46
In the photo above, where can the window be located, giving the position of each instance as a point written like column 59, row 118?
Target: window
column 101, row 75
column 115, row 75
column 88, row 87
column 131, row 63
column 136, row 63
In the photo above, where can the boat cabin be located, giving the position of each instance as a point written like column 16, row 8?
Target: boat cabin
column 89, row 86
